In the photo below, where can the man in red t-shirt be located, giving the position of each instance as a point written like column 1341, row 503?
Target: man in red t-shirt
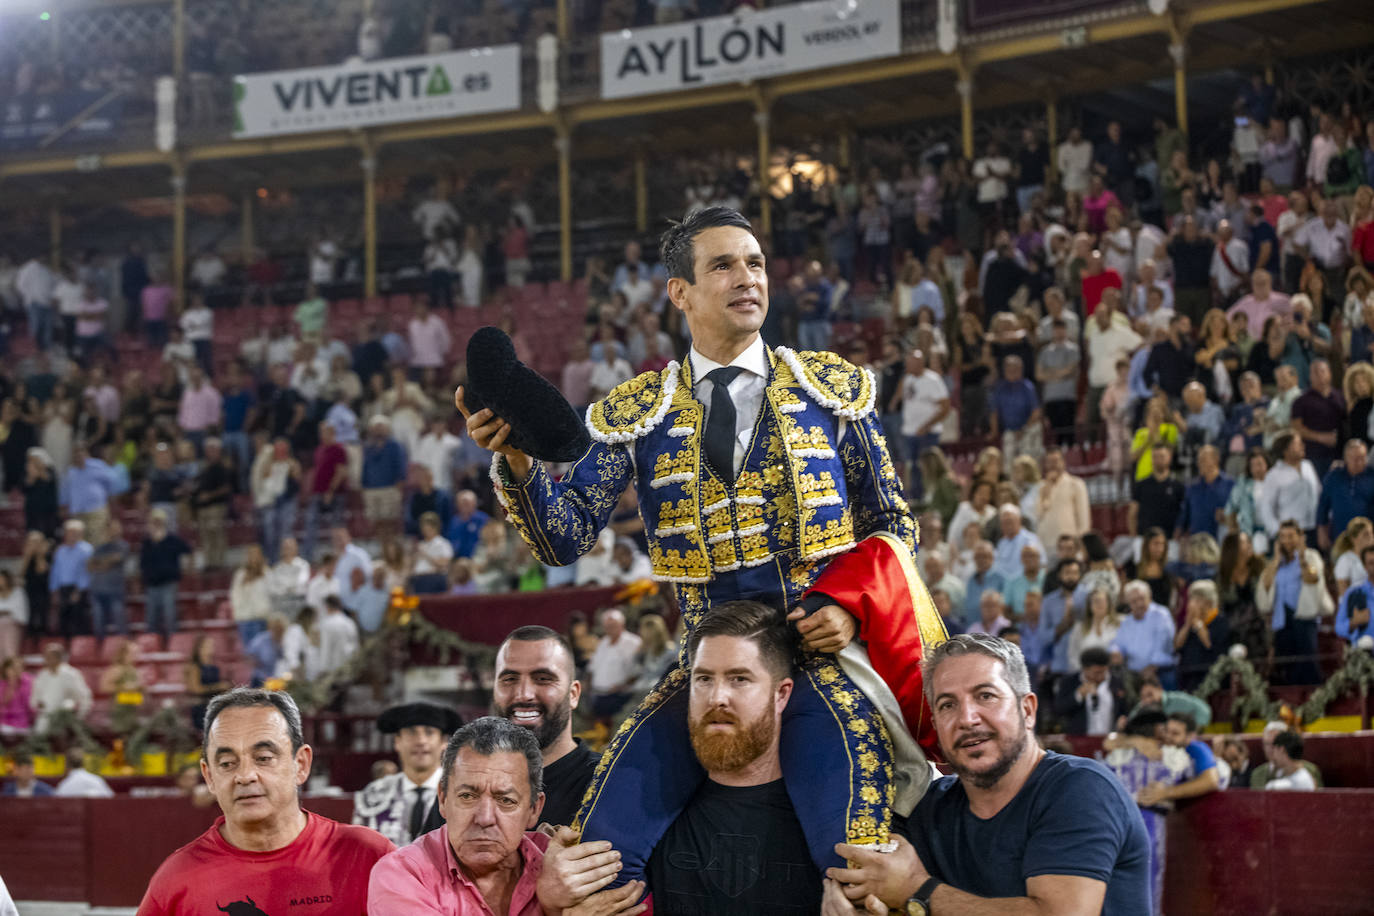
column 327, row 481
column 265, row 855
column 1096, row 278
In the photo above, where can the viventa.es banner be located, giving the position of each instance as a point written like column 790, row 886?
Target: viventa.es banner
column 366, row 93
column 748, row 45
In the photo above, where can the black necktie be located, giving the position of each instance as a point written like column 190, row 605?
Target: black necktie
column 417, row 812
column 720, row 425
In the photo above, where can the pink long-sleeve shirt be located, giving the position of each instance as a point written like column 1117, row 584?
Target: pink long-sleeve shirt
column 424, row 879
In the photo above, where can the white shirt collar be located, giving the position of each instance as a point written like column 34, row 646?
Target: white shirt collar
column 754, row 359
column 432, row 783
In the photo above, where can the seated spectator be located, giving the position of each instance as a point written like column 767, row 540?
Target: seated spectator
column 383, row 474
column 658, row 652
column 1204, row 636
column 977, row 511
column 461, row 580
column 499, row 559
column 1097, row 630
column 490, row 794
column 23, row 782
column 16, row 691
column 1089, row 701
column 1152, row 566
column 631, row 565
column 1146, row 637
column 160, row 562
column 1288, row 772
column 1261, row 775
column 1077, row 834
column 434, row 450
column 991, row 619
column 250, row 596
column 465, row 529
column 1349, row 547
column 79, row 781
column 323, row 583
column 394, row 563
column 1206, row 497
column 1353, row 614
column 612, row 669
column 433, row 556
column 122, row 676
column 288, row 579
column 203, row 678
column 371, row 599
column 1236, row 755
column 57, row 687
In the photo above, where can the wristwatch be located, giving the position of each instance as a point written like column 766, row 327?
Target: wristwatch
column 919, row 904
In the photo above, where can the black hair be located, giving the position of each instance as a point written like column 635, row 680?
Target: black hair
column 1291, row 742
column 1144, row 721
column 536, row 633
column 753, row 620
column 1093, row 656
column 1189, row 723
column 676, row 248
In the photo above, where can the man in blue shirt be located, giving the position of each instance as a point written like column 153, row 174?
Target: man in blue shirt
column 1014, row 539
column 237, row 408
column 1057, row 617
column 984, row 578
column 1015, row 821
column 1014, row 404
column 384, row 470
column 86, row 490
column 265, row 650
column 1205, row 497
column 69, row 579
column 1203, row 420
column 466, row 526
column 1347, row 493
column 1352, row 617
column 1146, row 637
column 1181, row 732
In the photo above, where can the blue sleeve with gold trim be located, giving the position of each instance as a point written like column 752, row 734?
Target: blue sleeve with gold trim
column 875, row 493
column 560, row 519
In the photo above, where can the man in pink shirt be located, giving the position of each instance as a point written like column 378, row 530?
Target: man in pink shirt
column 482, row 861
column 429, row 339
column 199, row 411
column 1262, row 302
column 156, row 303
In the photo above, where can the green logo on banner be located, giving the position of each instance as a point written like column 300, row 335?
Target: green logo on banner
column 438, row 83
column 239, row 91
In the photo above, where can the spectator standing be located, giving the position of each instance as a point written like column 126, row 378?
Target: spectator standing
column 1108, row 339
column 425, row 497
column 1014, row 538
column 348, row 556
column 210, row 495
column 1171, row 364
column 984, row 578
column 1062, row 506
column 1056, row 369
column 1015, row 412
column 198, row 325
column 275, row 486
column 1032, row 161
column 160, row 563
column 1098, row 283
column 250, row 599
column 924, row 402
column 1204, row 636
column 429, row 339
column 465, row 530
column 433, row 556
column 383, row 474
column 992, row 172
column 1157, row 500
column 338, row 637
column 1293, row 593
column 36, row 286
column 1291, row 489
column 1326, row 240
column 1146, row 637
column 1098, row 629
column 1347, row 493
column 69, row 581
column 327, row 484
column 312, row 314
column 1205, row 499
column 1260, row 303
column 35, row 566
column 1192, row 255
column 1318, row 417
column 288, row 580
column 1230, row 267
column 86, row 490
column 106, row 567
column 814, row 306
column 1353, row 613
column 40, row 492
column 16, row 690
column 1074, row 159
column 1031, row 578
column 14, row 617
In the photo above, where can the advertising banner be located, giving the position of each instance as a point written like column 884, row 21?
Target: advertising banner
column 748, row 45
column 26, row 121
column 374, row 92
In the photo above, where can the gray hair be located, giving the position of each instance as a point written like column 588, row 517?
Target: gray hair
column 1206, row 590
column 495, row 735
column 1137, row 585
column 1008, row 653
column 253, row 697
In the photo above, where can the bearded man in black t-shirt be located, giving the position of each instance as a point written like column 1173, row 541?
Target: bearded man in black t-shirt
column 737, row 849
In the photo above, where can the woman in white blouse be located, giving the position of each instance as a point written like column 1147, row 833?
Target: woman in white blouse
column 1098, row 628
column 1348, row 549
column 977, row 510
column 249, row 597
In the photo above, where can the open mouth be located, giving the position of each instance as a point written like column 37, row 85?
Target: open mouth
column 744, row 304
column 526, row 716
column 974, row 741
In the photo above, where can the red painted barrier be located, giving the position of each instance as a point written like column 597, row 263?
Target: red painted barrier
column 489, row 618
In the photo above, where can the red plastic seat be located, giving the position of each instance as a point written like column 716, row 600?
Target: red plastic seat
column 84, row 649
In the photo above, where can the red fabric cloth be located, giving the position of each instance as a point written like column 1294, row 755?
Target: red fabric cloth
column 324, row 870
column 877, row 582
column 1094, row 285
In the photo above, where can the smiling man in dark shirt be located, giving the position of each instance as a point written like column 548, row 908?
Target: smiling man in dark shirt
column 536, row 688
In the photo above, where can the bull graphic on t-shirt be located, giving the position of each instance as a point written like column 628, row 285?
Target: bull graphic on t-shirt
column 245, row 907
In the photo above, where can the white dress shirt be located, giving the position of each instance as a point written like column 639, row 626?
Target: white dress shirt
column 1290, row 492
column 338, row 641
column 83, row 784
column 746, row 391
column 614, row 664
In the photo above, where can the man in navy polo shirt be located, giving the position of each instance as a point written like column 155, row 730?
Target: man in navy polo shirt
column 1206, row 496
column 1015, row 410
column 1347, row 493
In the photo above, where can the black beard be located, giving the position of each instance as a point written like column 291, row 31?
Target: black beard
column 554, row 720
column 986, row 779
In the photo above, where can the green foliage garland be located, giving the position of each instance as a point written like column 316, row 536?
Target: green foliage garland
column 1254, row 701
column 1357, row 671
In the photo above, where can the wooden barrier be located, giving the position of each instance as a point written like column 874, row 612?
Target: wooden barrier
column 1229, row 853
column 489, row 618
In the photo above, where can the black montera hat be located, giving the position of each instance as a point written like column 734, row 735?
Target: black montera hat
column 410, row 714
column 543, row 424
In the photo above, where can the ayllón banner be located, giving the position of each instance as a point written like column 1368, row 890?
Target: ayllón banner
column 373, row 92
column 748, row 45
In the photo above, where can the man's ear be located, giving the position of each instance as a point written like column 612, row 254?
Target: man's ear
column 784, row 693
column 574, row 694
column 677, row 292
